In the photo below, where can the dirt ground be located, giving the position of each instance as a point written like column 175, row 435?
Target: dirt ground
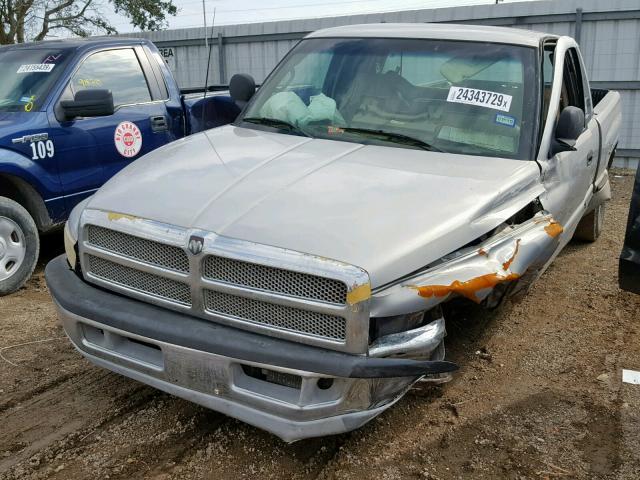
column 539, row 395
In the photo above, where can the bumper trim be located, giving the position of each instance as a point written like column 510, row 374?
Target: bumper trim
column 146, row 320
column 289, row 430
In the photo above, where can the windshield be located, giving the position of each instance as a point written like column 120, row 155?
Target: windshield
column 460, row 97
column 27, row 75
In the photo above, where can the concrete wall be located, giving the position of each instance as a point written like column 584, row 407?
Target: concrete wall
column 608, row 32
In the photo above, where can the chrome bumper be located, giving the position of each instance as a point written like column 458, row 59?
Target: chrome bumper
column 220, row 383
column 260, row 387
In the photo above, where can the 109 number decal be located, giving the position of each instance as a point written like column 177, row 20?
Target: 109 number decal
column 42, row 150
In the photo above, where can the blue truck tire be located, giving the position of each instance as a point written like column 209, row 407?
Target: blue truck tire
column 19, row 246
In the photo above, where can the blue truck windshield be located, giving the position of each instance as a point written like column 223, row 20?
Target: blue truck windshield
column 27, row 76
column 461, row 97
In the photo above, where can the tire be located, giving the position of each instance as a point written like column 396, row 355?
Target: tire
column 590, row 227
column 19, row 246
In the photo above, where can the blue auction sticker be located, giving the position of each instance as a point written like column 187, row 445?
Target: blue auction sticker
column 505, row 120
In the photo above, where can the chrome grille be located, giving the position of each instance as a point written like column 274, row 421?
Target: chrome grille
column 148, row 251
column 234, row 282
column 279, row 316
column 277, row 280
column 144, row 282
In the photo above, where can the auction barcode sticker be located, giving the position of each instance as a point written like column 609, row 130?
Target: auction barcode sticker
column 481, row 98
column 36, row 67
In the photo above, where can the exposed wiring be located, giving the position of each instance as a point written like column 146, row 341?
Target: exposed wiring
column 3, row 349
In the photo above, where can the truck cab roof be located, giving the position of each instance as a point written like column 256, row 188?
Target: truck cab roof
column 77, row 43
column 474, row 33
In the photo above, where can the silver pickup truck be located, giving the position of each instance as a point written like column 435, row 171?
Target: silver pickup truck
column 292, row 269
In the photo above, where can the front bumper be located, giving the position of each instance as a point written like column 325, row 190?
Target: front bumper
column 299, row 391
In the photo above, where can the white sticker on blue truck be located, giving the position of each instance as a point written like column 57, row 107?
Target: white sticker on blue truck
column 506, row 120
column 36, row 67
column 128, row 139
column 480, row 98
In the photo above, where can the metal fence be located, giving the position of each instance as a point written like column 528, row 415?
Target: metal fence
column 608, row 33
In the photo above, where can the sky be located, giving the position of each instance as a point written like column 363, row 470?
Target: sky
column 229, row 12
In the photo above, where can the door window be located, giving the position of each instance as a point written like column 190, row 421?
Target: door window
column 547, row 79
column 572, row 93
column 572, row 90
column 115, row 70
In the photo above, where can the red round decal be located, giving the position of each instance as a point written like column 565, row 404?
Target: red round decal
column 128, row 139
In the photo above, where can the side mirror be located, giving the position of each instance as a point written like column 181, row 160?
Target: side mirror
column 242, row 87
column 88, row 103
column 570, row 126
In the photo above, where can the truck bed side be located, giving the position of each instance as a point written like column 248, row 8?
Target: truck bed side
column 608, row 115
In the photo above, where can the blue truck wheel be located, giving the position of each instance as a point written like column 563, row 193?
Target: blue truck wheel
column 19, row 246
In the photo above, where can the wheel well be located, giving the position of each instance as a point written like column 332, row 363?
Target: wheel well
column 612, row 157
column 21, row 192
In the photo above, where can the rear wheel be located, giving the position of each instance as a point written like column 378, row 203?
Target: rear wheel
column 19, row 246
column 590, row 226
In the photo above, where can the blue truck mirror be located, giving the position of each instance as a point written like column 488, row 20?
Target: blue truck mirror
column 88, row 103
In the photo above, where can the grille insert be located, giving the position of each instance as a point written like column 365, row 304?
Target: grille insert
column 277, row 280
column 279, row 316
column 144, row 282
column 148, row 251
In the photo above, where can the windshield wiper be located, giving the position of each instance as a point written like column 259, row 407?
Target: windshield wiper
column 274, row 122
column 394, row 137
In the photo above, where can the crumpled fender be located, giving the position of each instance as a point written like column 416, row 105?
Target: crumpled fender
column 516, row 253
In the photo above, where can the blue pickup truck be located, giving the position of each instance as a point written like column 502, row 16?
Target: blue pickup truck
column 72, row 114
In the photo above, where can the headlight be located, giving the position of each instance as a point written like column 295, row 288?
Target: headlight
column 71, row 233
column 70, row 242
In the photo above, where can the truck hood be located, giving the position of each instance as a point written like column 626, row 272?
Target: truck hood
column 388, row 210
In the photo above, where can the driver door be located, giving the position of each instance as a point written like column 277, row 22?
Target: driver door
column 92, row 149
column 569, row 180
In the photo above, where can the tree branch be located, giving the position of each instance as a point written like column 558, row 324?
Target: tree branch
column 37, row 18
column 58, row 8
column 73, row 17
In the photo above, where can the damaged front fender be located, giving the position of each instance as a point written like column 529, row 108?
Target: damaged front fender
column 516, row 253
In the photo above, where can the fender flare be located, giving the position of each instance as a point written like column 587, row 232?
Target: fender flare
column 25, row 194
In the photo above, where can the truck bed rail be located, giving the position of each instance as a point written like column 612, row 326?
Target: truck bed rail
column 597, row 94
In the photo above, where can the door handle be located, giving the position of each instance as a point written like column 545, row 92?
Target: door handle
column 589, row 158
column 159, row 123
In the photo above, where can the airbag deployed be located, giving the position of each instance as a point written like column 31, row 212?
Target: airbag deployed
column 289, row 107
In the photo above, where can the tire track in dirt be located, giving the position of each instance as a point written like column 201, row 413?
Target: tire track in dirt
column 62, row 410
column 12, row 402
column 105, row 407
